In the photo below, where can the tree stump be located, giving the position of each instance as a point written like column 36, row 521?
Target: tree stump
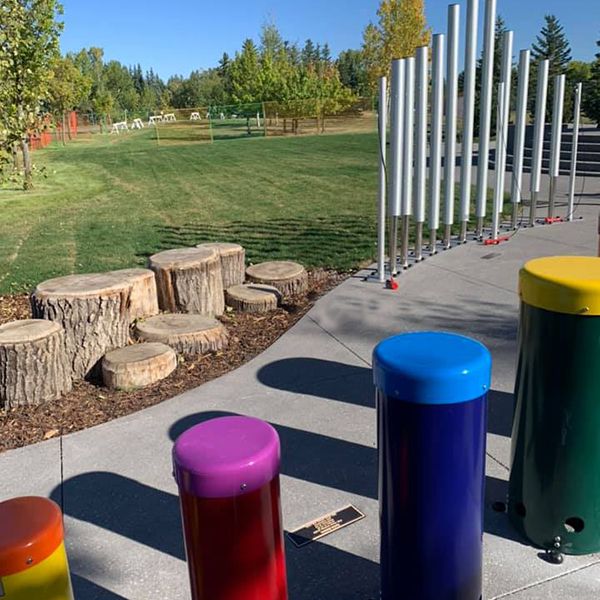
column 189, row 280
column 137, row 366
column 33, row 365
column 143, row 299
column 233, row 262
column 290, row 278
column 253, row 297
column 94, row 312
column 185, row 333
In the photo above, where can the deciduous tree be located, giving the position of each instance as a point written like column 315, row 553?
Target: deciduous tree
column 29, row 34
column 68, row 87
column 401, row 29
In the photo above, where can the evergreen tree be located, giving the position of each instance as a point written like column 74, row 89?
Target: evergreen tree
column 402, row 28
column 293, row 53
column 591, row 91
column 551, row 44
column 271, row 41
column 309, row 53
column 353, row 73
column 224, row 71
column 138, row 79
column 326, row 53
column 245, row 70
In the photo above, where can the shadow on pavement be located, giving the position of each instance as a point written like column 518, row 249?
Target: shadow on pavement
column 85, row 589
column 151, row 517
column 323, row 378
column 127, row 507
column 354, row 384
column 500, row 413
column 319, row 571
column 313, row 457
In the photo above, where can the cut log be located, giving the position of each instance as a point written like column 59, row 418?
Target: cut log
column 94, row 312
column 253, row 297
column 290, row 278
column 189, row 280
column 137, row 366
column 185, row 333
column 143, row 299
column 33, row 365
column 233, row 262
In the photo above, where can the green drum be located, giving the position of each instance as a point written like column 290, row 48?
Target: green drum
column 554, row 490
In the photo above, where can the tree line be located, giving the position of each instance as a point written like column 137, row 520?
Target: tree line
column 306, row 80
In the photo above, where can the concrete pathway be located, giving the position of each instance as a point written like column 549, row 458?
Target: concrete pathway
column 314, row 385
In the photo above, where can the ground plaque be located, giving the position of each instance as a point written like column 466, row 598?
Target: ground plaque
column 325, row 525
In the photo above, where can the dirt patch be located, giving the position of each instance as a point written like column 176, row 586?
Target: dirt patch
column 90, row 404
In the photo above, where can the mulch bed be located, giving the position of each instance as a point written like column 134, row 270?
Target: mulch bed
column 91, row 404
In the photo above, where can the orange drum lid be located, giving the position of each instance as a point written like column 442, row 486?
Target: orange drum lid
column 31, row 529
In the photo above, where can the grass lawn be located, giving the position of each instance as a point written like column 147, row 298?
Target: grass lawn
column 109, row 202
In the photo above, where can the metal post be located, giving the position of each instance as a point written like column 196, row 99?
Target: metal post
column 486, row 113
column 557, row 120
column 437, row 118
column 382, row 122
column 499, row 183
column 502, row 140
column 466, row 161
column 538, row 137
column 574, row 150
column 407, row 169
column 395, row 162
column 451, row 101
column 421, row 146
column 519, row 139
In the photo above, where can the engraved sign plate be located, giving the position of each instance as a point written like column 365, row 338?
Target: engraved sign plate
column 325, row 525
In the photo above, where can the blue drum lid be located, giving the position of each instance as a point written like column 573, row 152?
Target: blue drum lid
column 432, row 368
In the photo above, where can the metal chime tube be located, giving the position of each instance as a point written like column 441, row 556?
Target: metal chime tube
column 451, row 103
column 395, row 162
column 519, row 139
column 574, row 150
column 486, row 113
column 468, row 117
column 538, row 137
column 502, row 140
column 557, row 121
column 422, row 74
column 499, row 186
column 407, row 169
column 381, row 204
column 437, row 117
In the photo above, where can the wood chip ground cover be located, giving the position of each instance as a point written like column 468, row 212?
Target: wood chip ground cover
column 90, row 404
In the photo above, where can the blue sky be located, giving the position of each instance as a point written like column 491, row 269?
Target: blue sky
column 182, row 35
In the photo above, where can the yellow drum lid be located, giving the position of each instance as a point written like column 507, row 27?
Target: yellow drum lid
column 563, row 284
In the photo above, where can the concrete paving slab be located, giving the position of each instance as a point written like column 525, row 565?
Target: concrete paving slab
column 583, row 582
column 314, row 384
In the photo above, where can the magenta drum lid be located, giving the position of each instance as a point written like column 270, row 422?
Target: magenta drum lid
column 225, row 457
